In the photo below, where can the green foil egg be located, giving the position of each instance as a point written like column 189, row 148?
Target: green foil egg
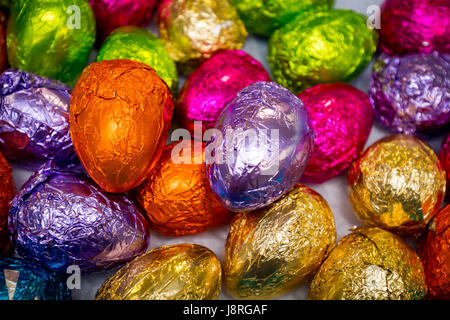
column 52, row 38
column 321, row 47
column 263, row 17
column 141, row 45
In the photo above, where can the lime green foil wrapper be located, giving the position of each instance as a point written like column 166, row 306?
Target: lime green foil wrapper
column 141, row 45
column 321, row 47
column 263, row 17
column 52, row 38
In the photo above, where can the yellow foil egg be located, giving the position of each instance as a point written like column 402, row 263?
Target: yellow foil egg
column 175, row 272
column 271, row 251
column 370, row 264
column 398, row 184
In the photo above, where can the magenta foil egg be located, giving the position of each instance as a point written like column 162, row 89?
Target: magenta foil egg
column 214, row 84
column 341, row 117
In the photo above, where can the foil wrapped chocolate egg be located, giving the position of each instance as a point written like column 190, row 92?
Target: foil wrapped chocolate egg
column 3, row 49
column 141, row 45
column 370, row 264
column 52, row 38
column 177, row 196
column 411, row 93
column 263, row 142
column 22, row 280
column 341, row 117
column 112, row 14
column 194, row 29
column 271, row 251
column 444, row 156
column 214, row 84
column 397, row 184
column 415, row 26
column 175, row 272
column 34, row 119
column 321, row 46
column 7, row 191
column 62, row 218
column 264, row 17
column 434, row 250
column 120, row 114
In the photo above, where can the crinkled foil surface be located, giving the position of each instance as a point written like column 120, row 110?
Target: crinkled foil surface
column 34, row 119
column 45, row 39
column 370, row 264
column 342, row 118
column 320, row 47
column 3, row 49
column 176, row 272
column 120, row 114
column 444, row 156
column 398, row 184
column 271, row 251
column 194, row 29
column 21, row 280
column 267, row 142
column 177, row 196
column 7, row 191
column 415, row 26
column 214, row 84
column 141, row 45
column 411, row 93
column 263, row 17
column 61, row 218
column 434, row 250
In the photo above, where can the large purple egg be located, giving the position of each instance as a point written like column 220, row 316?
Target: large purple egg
column 262, row 144
column 61, row 218
column 411, row 93
column 34, row 119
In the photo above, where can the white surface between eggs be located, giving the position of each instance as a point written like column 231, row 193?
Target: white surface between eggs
column 334, row 191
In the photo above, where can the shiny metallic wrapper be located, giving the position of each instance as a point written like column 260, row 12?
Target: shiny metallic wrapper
column 263, row 17
column 411, row 93
column 434, row 250
column 175, row 272
column 120, row 114
column 321, row 46
column 22, row 280
column 141, row 45
column 177, row 196
column 214, row 84
column 415, row 26
column 342, row 118
column 52, row 38
column 398, row 184
column 3, row 50
column 370, row 264
column 265, row 142
column 271, row 251
column 61, row 218
column 7, row 191
column 194, row 29
column 444, row 156
column 34, row 120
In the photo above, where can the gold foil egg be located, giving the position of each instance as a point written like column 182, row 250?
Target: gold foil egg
column 271, row 251
column 175, row 272
column 193, row 30
column 120, row 114
column 370, row 264
column 397, row 184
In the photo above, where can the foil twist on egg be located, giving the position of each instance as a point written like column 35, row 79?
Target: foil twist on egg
column 7, row 191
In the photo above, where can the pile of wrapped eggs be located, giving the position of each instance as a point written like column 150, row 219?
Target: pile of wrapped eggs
column 179, row 132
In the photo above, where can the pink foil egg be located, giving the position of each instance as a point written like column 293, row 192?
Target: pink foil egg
column 214, row 84
column 341, row 117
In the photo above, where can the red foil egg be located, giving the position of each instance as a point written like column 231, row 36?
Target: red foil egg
column 444, row 156
column 415, row 26
column 342, row 118
column 7, row 190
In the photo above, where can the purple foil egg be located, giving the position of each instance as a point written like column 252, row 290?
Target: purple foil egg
column 62, row 218
column 262, row 144
column 411, row 93
column 34, row 119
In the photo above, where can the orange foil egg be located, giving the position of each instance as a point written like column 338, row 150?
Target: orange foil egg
column 7, row 191
column 120, row 114
column 177, row 196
